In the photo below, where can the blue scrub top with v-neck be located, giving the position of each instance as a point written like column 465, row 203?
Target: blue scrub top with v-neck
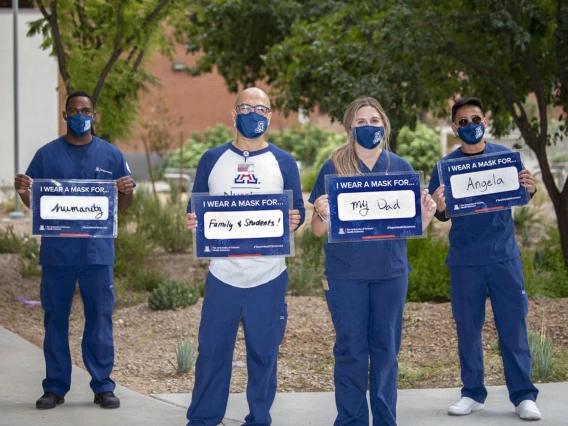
column 57, row 160
column 368, row 260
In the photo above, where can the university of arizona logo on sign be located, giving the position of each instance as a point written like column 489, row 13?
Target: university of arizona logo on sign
column 378, row 137
column 259, row 127
column 245, row 174
column 478, row 132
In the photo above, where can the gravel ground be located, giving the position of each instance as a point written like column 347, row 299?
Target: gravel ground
column 145, row 340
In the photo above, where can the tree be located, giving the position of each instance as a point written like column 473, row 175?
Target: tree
column 420, row 147
column 413, row 56
column 100, row 48
column 503, row 52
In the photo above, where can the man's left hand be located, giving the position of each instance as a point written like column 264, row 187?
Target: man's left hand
column 125, row 185
column 526, row 180
column 294, row 219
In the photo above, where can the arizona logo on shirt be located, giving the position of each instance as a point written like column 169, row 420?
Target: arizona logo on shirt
column 245, row 174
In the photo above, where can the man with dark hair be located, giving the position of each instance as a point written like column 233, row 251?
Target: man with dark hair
column 78, row 155
column 484, row 256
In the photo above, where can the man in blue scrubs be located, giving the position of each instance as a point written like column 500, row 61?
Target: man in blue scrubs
column 247, row 289
column 78, row 155
column 484, row 256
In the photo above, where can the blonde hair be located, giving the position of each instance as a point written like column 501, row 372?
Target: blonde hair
column 344, row 157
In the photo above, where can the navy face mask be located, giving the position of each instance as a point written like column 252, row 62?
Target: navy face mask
column 79, row 124
column 472, row 133
column 251, row 125
column 369, row 136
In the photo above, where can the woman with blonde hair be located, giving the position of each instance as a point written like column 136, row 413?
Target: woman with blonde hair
column 367, row 282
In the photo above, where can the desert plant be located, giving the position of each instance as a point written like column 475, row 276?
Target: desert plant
column 9, row 240
column 29, row 257
column 305, row 270
column 430, row 277
column 186, row 355
column 172, row 294
column 542, row 350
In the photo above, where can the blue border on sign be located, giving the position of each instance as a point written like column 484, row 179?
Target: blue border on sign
column 74, row 228
column 481, row 203
column 371, row 230
column 202, row 203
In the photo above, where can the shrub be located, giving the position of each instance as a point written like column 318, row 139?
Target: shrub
column 172, row 294
column 29, row 257
column 9, row 241
column 306, row 269
column 544, row 270
column 197, row 144
column 308, row 177
column 420, row 147
column 542, row 351
column 186, row 354
column 430, row 277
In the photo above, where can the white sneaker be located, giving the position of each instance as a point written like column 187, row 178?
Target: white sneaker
column 465, row 406
column 527, row 410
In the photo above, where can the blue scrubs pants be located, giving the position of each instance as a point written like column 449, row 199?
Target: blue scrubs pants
column 97, row 293
column 367, row 316
column 509, row 301
column 264, row 315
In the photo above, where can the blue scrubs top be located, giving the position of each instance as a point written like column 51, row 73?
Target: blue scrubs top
column 58, row 160
column 369, row 260
column 479, row 239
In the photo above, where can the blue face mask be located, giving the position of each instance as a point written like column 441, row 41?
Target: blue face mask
column 472, row 133
column 79, row 124
column 369, row 136
column 251, row 125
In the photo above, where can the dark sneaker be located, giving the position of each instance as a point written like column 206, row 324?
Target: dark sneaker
column 49, row 400
column 107, row 400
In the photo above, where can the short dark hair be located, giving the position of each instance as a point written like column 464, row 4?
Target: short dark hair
column 78, row 94
column 466, row 101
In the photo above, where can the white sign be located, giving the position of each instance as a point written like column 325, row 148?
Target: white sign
column 484, row 182
column 70, row 207
column 243, row 224
column 376, row 205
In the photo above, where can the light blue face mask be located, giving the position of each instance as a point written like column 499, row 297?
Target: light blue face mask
column 80, row 124
column 369, row 136
column 472, row 133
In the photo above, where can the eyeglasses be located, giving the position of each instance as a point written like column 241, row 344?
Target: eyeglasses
column 84, row 111
column 247, row 109
column 476, row 119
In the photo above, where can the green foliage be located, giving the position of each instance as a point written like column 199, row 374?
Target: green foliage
column 525, row 218
column 186, row 355
column 100, row 47
column 197, row 144
column 306, row 142
column 542, row 351
column 308, row 177
column 430, row 277
column 306, row 269
column 172, row 294
column 26, row 246
column 420, row 147
column 9, row 241
column 544, row 270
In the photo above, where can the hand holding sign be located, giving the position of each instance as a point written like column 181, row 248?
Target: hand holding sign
column 428, row 207
column 294, row 219
column 191, row 222
column 22, row 183
column 439, row 198
column 125, row 185
column 526, row 180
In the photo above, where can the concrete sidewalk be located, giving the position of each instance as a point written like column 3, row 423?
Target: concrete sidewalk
column 22, row 368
